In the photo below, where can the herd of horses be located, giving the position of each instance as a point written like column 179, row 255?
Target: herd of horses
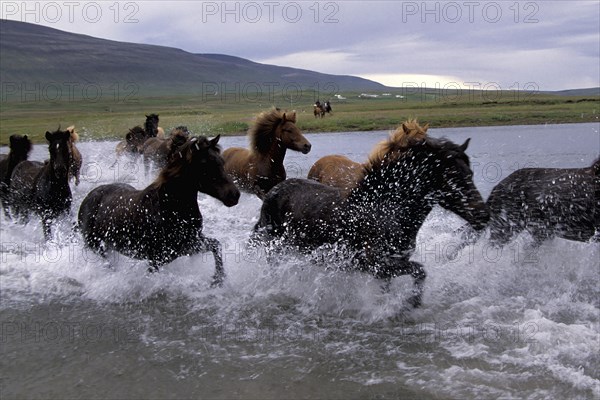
column 371, row 211
column 320, row 109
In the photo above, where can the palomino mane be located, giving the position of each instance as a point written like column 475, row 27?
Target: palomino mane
column 181, row 158
column 74, row 134
column 397, row 143
column 262, row 133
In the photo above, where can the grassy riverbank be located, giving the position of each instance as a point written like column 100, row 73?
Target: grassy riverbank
column 232, row 115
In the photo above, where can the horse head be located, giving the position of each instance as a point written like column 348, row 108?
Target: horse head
column 290, row 136
column 200, row 162
column 276, row 127
column 60, row 152
column 20, row 146
column 151, row 125
column 453, row 180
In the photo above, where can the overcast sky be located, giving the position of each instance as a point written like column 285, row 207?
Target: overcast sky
column 550, row 45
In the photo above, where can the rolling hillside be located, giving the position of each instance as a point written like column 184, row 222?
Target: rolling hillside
column 33, row 54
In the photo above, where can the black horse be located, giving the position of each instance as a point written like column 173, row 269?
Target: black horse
column 162, row 221
column 547, row 202
column 20, row 147
column 378, row 222
column 43, row 188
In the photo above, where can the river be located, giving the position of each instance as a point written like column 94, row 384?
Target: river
column 514, row 323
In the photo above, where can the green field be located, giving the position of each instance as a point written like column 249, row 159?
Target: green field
column 110, row 118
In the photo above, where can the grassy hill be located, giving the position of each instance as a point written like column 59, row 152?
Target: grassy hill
column 49, row 77
column 37, row 55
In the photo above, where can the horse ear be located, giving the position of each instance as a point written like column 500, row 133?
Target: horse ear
column 12, row 139
column 425, row 128
column 283, row 118
column 215, row 141
column 405, row 128
column 48, row 135
column 464, row 146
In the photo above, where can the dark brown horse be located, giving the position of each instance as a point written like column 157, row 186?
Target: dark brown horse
column 137, row 135
column 20, row 147
column 547, row 202
column 76, row 158
column 379, row 221
column 161, row 222
column 158, row 151
column 343, row 173
column 260, row 168
column 43, row 188
column 133, row 142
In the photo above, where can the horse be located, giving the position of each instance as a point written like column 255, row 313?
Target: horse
column 76, row 158
column 151, row 127
column 547, row 202
column 137, row 136
column 20, row 147
column 318, row 111
column 158, row 151
column 379, row 221
column 134, row 139
column 260, row 168
column 341, row 172
column 327, row 107
column 162, row 221
column 43, row 188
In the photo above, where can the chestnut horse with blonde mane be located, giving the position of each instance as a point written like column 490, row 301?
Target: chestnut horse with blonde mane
column 260, row 167
column 343, row 173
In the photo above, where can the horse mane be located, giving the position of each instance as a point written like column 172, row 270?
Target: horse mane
column 181, row 157
column 181, row 129
column 74, row 134
column 137, row 131
column 397, row 143
column 177, row 139
column 262, row 133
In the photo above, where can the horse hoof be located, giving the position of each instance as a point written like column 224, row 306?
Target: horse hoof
column 152, row 270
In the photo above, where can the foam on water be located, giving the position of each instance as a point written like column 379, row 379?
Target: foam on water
column 516, row 322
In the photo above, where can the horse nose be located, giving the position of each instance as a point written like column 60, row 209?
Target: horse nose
column 306, row 148
column 232, row 197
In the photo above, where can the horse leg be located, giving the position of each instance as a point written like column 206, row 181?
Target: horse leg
column 406, row 267
column 47, row 221
column 214, row 246
column 419, row 275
